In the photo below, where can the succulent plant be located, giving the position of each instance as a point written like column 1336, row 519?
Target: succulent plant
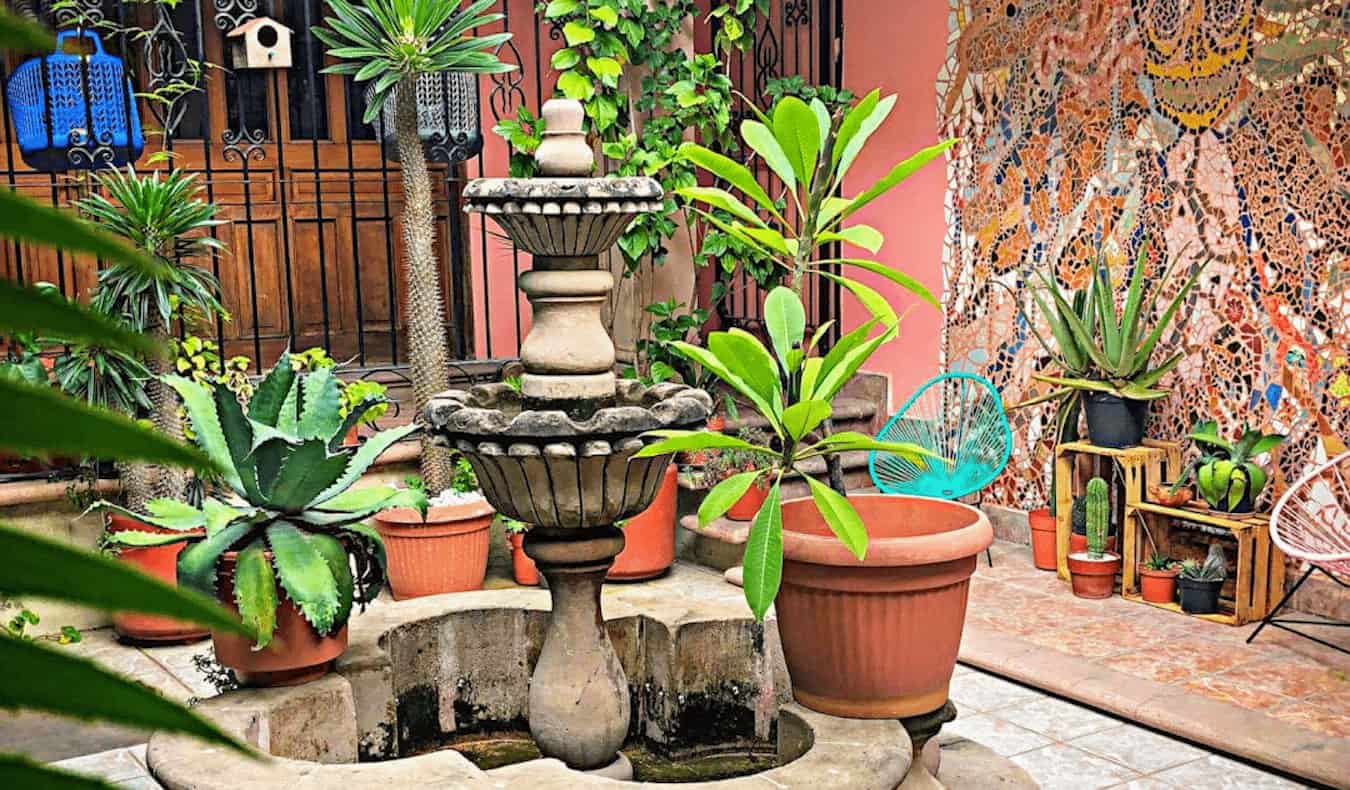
column 1226, row 472
column 1212, row 569
column 1078, row 515
column 1098, row 516
column 1160, row 561
column 288, row 513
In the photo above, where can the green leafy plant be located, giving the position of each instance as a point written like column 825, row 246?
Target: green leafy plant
column 290, row 515
column 1098, row 507
column 362, row 391
column 464, row 481
column 513, row 526
column 835, row 99
column 671, row 321
column 1112, row 350
column 524, row 133
column 792, row 388
column 1160, row 561
column 1212, row 569
column 391, row 44
column 1226, row 471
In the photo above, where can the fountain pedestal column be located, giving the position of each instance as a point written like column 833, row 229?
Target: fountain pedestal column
column 579, row 708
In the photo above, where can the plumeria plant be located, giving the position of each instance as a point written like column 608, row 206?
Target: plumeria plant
column 792, row 388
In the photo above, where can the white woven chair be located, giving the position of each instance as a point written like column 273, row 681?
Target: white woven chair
column 1311, row 522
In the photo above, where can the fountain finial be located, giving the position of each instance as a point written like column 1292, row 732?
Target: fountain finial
column 564, row 152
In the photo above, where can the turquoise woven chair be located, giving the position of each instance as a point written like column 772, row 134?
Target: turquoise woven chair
column 958, row 416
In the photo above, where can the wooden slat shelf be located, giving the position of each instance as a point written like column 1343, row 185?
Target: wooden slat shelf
column 1221, row 617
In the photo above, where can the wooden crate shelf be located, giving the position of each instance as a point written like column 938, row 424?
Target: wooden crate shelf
column 1259, row 582
column 1152, row 462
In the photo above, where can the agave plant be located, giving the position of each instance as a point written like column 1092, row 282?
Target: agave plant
column 1226, row 475
column 1111, row 348
column 1212, row 569
column 162, row 215
column 391, row 43
column 792, row 388
column 288, row 474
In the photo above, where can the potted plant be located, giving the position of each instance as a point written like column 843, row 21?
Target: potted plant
column 649, row 537
column 733, row 461
column 1199, row 584
column 355, row 392
column 1093, row 572
column 1158, row 578
column 1225, row 474
column 1171, row 494
column 1115, row 346
column 522, row 567
column 1078, row 533
column 907, row 583
column 443, row 549
column 279, row 547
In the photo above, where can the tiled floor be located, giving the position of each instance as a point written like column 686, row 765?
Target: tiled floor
column 1291, row 679
column 1064, row 746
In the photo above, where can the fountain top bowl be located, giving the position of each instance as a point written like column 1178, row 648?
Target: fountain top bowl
column 618, row 195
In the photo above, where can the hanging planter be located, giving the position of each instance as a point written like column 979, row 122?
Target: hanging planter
column 447, row 117
column 75, row 111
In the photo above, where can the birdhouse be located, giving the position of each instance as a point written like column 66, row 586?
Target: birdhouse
column 260, row 43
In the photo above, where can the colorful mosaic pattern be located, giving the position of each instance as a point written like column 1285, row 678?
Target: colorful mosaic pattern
column 1214, row 128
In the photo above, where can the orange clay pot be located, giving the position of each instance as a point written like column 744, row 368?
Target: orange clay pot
column 447, row 553
column 160, row 562
column 877, row 638
column 717, row 423
column 649, row 537
column 296, row 654
column 1042, row 539
column 1158, row 586
column 1078, row 543
column 748, row 505
column 522, row 567
column 353, row 437
column 1093, row 578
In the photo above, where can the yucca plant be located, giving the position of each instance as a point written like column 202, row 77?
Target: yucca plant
column 392, row 43
column 1226, row 474
column 162, row 215
column 285, row 464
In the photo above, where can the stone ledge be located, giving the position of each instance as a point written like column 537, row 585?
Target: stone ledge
column 1217, row 725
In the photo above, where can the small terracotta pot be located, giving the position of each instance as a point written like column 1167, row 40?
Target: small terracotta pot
column 1164, row 495
column 1078, row 543
column 717, row 423
column 1158, row 586
column 877, row 638
column 353, row 437
column 1042, row 539
column 649, row 537
column 522, row 567
column 1093, row 578
column 162, row 563
column 446, row 553
column 748, row 505
column 296, row 654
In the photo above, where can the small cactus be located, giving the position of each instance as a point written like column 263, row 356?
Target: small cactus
column 1098, row 508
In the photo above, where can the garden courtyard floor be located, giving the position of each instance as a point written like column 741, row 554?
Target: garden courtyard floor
column 1081, row 694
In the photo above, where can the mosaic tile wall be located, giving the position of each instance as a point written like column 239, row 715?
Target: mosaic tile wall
column 1216, row 128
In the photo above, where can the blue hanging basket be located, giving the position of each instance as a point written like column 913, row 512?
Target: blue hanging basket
column 53, row 120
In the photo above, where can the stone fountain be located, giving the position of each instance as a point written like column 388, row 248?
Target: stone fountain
column 558, row 452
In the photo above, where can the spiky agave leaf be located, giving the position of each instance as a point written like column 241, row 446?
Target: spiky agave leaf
column 339, row 563
column 197, row 563
column 271, row 392
column 305, row 576
column 306, row 471
column 321, row 410
column 255, row 592
column 367, row 550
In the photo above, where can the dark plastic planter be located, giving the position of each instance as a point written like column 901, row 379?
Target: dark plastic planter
column 1199, row 597
column 1114, row 422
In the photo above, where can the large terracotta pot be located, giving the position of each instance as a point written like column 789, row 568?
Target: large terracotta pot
column 162, row 563
column 649, row 537
column 446, row 553
column 748, row 505
column 1093, row 578
column 1158, row 586
column 296, row 654
column 1042, row 539
column 524, row 570
column 877, row 638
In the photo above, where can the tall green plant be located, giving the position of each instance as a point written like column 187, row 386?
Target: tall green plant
column 43, row 422
column 1098, row 507
column 391, row 44
column 792, row 388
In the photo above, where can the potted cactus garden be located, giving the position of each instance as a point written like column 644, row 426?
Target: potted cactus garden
column 1093, row 572
column 279, row 544
column 1199, row 583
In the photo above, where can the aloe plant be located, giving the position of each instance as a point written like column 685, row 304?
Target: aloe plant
column 1226, row 471
column 291, row 517
column 792, row 389
column 1212, row 569
column 1110, row 349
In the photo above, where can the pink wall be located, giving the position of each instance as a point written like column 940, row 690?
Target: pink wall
column 899, row 47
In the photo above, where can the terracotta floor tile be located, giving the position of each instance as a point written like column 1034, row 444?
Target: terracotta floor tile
column 1292, row 678
column 1328, row 720
column 1149, row 665
column 1241, row 694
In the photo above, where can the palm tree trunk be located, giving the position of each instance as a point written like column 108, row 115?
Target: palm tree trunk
column 142, row 483
column 428, row 352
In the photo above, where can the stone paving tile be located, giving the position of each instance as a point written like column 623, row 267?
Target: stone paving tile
column 1147, row 783
column 102, row 646
column 1220, row 773
column 1062, row 767
column 141, row 783
column 1242, row 694
column 1182, row 659
column 1292, row 678
column 114, row 765
column 1004, row 738
column 1056, row 718
column 1139, row 749
column 177, row 661
column 1330, row 719
column 977, row 692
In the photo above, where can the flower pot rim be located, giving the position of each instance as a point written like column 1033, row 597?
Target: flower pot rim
column 437, row 515
column 1083, row 556
column 966, row 540
column 1170, row 573
column 133, row 524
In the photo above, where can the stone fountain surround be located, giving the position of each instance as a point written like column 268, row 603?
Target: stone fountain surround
column 461, row 664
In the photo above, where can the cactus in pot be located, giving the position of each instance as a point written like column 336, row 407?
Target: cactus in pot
column 1097, row 512
column 1093, row 572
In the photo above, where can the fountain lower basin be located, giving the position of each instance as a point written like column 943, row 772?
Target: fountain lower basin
column 423, row 673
